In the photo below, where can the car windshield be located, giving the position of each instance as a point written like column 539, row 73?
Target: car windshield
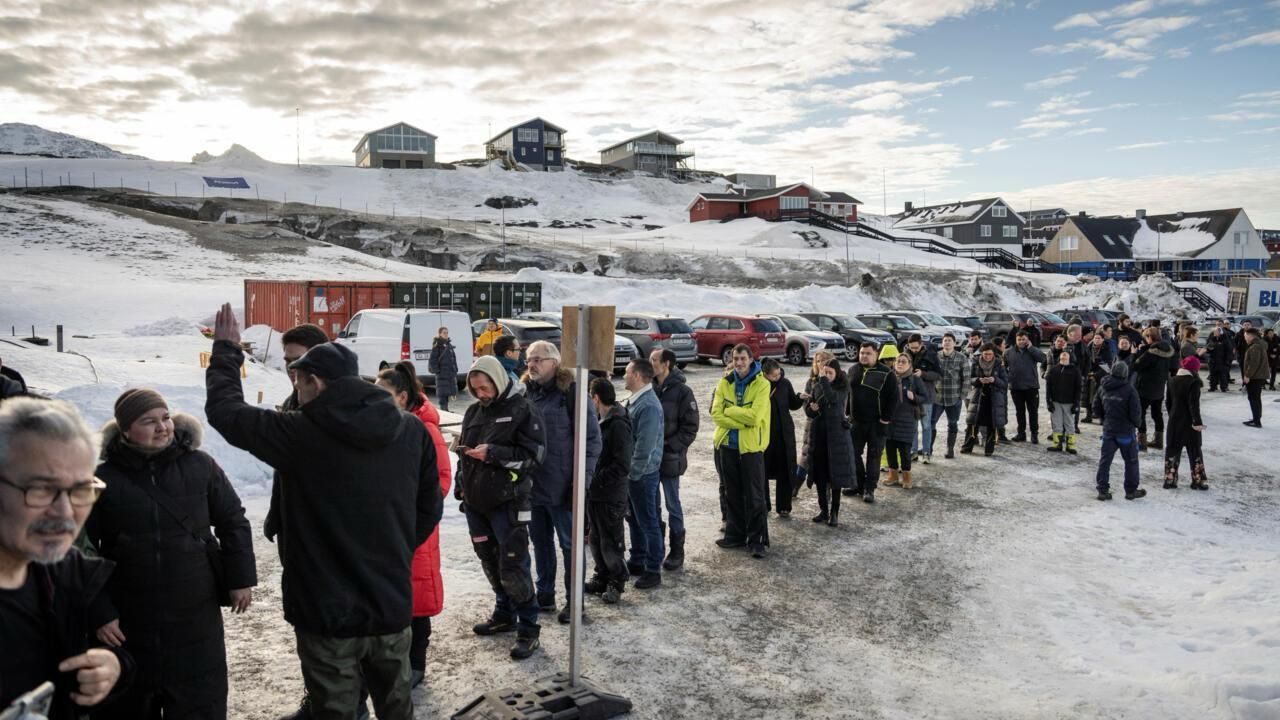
column 674, row 326
column 765, row 325
column 1053, row 318
column 934, row 319
column 797, row 323
column 904, row 323
column 850, row 322
column 540, row 332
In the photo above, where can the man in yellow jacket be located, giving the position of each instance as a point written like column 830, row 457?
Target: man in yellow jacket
column 740, row 411
column 484, row 343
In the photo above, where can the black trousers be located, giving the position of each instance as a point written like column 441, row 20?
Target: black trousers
column 782, row 492
column 419, row 643
column 868, row 443
column 1255, row 398
column 1173, row 458
column 828, row 495
column 745, row 493
column 606, row 540
column 1026, row 406
column 899, row 454
column 1219, row 375
column 1157, row 415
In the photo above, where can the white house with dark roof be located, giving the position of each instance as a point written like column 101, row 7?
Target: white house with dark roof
column 990, row 222
column 840, row 205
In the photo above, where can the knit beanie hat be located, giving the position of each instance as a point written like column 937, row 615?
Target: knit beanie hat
column 490, row 366
column 1120, row 370
column 134, row 403
column 1191, row 363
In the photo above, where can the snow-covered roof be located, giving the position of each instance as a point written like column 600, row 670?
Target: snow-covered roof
column 957, row 213
column 1186, row 234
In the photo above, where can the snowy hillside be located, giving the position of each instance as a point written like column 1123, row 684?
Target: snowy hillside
column 22, row 139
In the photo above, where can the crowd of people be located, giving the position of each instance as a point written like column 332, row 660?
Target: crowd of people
column 129, row 622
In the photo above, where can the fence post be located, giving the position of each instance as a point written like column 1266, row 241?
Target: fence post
column 59, row 338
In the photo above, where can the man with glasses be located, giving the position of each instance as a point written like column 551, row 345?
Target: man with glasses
column 47, row 488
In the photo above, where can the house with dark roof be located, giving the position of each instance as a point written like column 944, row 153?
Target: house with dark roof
column 1042, row 225
column 654, row 152
column 783, row 203
column 838, row 204
column 989, row 222
column 396, row 146
column 1209, row 245
column 534, row 143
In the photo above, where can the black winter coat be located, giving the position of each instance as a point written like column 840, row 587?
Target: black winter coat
column 443, row 364
column 512, row 428
column 997, row 392
column 609, row 484
column 67, row 594
column 1100, row 361
column 1184, row 410
column 163, row 587
column 1118, row 406
column 1152, row 366
column 1063, row 386
column 780, row 456
column 926, row 361
column 873, row 396
column 829, row 431
column 359, row 491
column 1221, row 349
column 905, row 421
column 679, row 423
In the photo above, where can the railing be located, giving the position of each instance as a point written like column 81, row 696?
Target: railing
column 1198, row 299
column 655, row 149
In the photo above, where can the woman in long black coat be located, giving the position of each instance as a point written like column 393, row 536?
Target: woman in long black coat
column 443, row 364
column 780, row 456
column 164, row 601
column 1186, row 427
column 830, row 444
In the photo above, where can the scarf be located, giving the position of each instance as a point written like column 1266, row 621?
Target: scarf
column 987, row 368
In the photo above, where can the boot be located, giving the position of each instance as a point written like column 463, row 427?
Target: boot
column 1171, row 474
column 649, row 580
column 1020, row 437
column 1071, row 444
column 1142, row 442
column 526, row 643
column 1139, row 493
column 951, row 444
column 906, row 479
column 613, row 594
column 1055, row 442
column 304, row 709
column 892, row 479
column 989, row 448
column 834, row 520
column 494, row 625
column 1035, row 438
column 675, row 558
column 1157, row 442
column 970, row 439
column 1004, row 439
column 1198, row 480
column 596, row 585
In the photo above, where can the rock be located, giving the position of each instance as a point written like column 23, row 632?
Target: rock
column 868, row 280
column 579, row 267
column 506, row 201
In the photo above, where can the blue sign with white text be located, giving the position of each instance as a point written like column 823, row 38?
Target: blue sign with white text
column 236, row 183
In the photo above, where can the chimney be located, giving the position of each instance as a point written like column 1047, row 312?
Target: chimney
column 1083, row 214
column 1140, row 214
column 907, row 206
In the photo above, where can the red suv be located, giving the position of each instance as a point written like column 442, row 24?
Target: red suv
column 715, row 335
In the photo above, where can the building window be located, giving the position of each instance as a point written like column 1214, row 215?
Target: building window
column 553, row 138
column 999, row 211
column 985, row 231
column 522, row 152
column 787, row 202
column 1069, row 242
column 529, row 135
column 1011, row 231
column 947, row 232
column 551, row 155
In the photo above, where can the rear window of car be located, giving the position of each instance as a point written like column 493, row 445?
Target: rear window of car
column 765, row 325
column 541, row 333
column 673, row 326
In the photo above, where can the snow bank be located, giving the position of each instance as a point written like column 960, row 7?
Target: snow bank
column 168, row 326
column 23, row 139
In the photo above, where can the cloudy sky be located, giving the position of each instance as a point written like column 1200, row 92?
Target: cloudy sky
column 1161, row 104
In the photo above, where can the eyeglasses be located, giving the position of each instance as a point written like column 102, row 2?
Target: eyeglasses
column 536, row 360
column 81, row 494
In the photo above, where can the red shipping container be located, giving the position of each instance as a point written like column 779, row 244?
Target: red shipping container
column 282, row 304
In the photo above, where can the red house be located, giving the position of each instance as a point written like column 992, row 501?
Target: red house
column 791, row 201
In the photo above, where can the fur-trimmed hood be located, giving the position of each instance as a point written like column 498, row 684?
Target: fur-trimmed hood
column 564, row 379
column 188, row 434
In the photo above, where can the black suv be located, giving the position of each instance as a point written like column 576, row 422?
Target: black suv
column 853, row 330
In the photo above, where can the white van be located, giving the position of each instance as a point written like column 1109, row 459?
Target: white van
column 381, row 338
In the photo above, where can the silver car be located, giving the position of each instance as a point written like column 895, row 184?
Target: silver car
column 650, row 330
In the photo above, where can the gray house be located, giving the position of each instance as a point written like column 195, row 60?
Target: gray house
column 989, row 222
column 653, row 152
column 753, row 181
column 396, row 146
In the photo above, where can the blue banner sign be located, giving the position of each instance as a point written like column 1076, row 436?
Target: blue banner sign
column 237, row 183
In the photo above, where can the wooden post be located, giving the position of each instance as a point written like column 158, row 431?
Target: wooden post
column 59, row 338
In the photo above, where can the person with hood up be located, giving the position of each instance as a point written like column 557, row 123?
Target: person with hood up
column 924, row 363
column 502, row 442
column 1022, row 362
column 780, row 457
column 608, row 495
column 740, row 410
column 1255, row 369
column 359, row 492
column 443, row 364
column 679, row 430
column 873, row 396
column 153, row 521
column 905, row 416
column 553, row 391
column 987, row 408
column 1186, row 428
column 1120, row 410
column 644, row 481
column 1152, row 366
column 1062, row 389
column 831, row 445
column 428, row 585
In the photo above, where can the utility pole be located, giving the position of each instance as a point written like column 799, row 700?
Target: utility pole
column 297, row 116
column 884, row 193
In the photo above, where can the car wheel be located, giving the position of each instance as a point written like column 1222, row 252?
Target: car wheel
column 795, row 355
column 726, row 355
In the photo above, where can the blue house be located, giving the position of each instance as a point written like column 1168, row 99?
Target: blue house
column 535, row 143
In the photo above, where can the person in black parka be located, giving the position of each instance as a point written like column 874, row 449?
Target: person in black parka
column 780, row 456
column 443, row 364
column 607, row 495
column 1152, row 366
column 1186, row 427
column 831, row 460
column 164, row 599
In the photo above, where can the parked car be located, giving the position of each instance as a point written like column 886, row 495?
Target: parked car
column 1091, row 318
column 716, row 334
column 526, row 331
column 1259, row 322
column 853, row 330
column 999, row 322
column 649, row 331
column 901, row 328
column 624, row 350
column 1051, row 325
column 381, row 338
column 803, row 339
column 932, row 321
column 973, row 322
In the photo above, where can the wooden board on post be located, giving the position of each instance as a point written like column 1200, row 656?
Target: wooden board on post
column 600, row 327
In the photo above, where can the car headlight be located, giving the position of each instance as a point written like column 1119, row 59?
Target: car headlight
column 815, row 345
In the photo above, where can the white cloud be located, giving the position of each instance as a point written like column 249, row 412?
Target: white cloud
column 1180, row 53
column 1262, row 131
column 1105, row 49
column 1001, row 103
column 1271, row 37
column 1061, row 77
column 1065, row 112
column 993, row 146
column 1242, row 116
column 1087, row 131
column 1143, row 145
column 1150, row 27
column 1133, row 73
